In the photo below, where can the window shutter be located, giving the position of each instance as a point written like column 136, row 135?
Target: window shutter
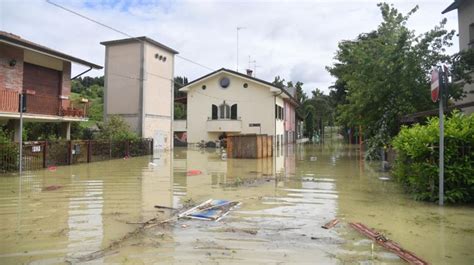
column 214, row 112
column 233, row 112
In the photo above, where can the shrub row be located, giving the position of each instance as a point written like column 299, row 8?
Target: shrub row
column 416, row 166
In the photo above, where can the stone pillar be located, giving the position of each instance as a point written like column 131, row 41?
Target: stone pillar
column 66, row 130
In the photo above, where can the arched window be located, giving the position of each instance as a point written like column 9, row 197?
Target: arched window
column 233, row 112
column 224, row 111
column 214, row 112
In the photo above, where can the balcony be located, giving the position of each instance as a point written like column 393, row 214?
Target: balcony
column 179, row 125
column 224, row 125
column 40, row 105
column 9, row 101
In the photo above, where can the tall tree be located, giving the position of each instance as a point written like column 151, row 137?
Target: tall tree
column 179, row 108
column 383, row 74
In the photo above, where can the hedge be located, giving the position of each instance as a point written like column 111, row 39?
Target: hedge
column 416, row 166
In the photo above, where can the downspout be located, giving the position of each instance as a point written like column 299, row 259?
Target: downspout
column 90, row 68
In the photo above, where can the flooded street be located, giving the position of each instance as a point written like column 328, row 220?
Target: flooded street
column 285, row 200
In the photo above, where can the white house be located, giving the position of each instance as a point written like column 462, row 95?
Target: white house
column 139, row 83
column 465, row 10
column 227, row 102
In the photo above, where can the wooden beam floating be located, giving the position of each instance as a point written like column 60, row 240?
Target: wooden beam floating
column 330, row 224
column 388, row 244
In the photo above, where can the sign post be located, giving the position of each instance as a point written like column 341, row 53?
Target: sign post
column 436, row 88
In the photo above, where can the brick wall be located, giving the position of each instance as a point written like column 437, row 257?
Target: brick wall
column 66, row 84
column 11, row 77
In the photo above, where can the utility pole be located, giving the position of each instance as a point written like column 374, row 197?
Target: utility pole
column 238, row 28
column 20, row 164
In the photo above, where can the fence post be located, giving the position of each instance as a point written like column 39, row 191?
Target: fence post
column 45, row 153
column 69, row 152
column 89, row 149
column 152, row 146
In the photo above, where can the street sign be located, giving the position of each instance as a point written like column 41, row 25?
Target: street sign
column 434, row 85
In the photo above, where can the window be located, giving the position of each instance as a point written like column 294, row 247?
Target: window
column 224, row 111
column 224, row 82
column 233, row 112
column 279, row 112
column 214, row 112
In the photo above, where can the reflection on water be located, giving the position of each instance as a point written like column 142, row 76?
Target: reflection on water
column 285, row 200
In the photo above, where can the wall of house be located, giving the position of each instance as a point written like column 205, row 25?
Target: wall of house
column 280, row 124
column 122, row 83
column 290, row 127
column 11, row 77
column 66, row 84
column 465, row 19
column 255, row 104
column 158, row 96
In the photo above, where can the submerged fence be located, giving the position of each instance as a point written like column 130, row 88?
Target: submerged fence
column 43, row 154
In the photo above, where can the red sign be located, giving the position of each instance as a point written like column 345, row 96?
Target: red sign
column 434, row 85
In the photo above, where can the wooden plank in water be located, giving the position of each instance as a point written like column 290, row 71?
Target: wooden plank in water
column 404, row 254
column 330, row 224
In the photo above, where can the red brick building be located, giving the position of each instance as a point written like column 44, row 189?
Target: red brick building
column 43, row 76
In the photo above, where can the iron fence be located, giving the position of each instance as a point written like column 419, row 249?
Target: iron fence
column 44, row 154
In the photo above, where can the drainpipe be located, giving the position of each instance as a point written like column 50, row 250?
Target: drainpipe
column 90, row 68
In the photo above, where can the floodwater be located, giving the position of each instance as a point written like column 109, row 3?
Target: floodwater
column 285, row 200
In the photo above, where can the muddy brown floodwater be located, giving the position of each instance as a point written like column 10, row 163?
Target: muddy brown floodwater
column 58, row 217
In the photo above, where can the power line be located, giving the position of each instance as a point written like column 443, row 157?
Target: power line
column 90, row 19
column 139, row 40
column 118, row 31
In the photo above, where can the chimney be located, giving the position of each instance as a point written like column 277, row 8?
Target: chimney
column 249, row 72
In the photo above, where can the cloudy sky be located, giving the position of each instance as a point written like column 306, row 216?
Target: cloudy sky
column 292, row 39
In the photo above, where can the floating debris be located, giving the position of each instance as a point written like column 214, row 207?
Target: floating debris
column 330, row 224
column 52, row 187
column 210, row 210
column 388, row 244
column 313, row 158
column 152, row 164
column 251, row 231
column 52, row 168
column 164, row 207
column 384, row 178
column 193, row 172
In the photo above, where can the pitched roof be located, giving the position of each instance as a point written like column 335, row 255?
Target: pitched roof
column 293, row 98
column 16, row 40
column 453, row 6
column 142, row 38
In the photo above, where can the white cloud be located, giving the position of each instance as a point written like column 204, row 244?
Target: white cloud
column 293, row 39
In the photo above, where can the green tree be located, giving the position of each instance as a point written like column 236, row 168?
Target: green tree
column 279, row 82
column 179, row 108
column 383, row 75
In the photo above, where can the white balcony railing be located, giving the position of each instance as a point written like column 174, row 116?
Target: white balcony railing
column 224, row 125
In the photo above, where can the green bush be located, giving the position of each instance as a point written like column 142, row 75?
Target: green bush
column 8, row 153
column 416, row 166
column 116, row 129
